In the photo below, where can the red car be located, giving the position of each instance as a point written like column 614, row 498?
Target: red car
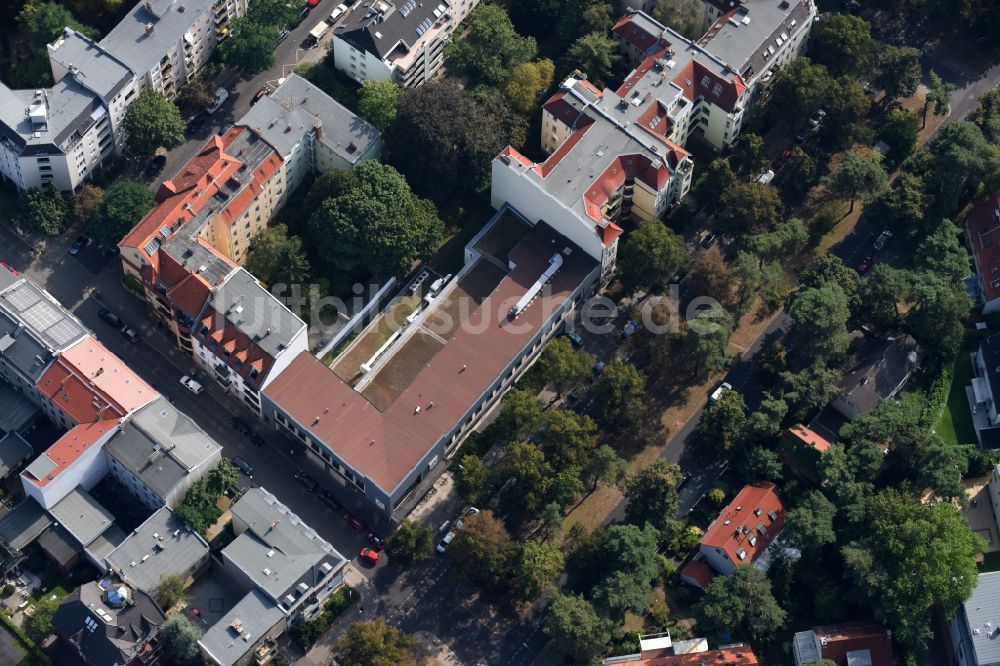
column 863, row 267
column 311, row 4
column 370, row 556
column 377, row 542
column 781, row 159
column 8, row 267
column 355, row 522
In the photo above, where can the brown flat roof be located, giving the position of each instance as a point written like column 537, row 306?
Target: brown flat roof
column 386, row 445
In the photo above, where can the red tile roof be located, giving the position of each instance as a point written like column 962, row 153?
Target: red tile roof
column 68, row 448
column 848, row 637
column 386, row 446
column 698, row 573
column 696, row 81
column 983, row 226
column 639, row 167
column 809, row 437
column 546, row 167
column 631, row 33
column 217, row 327
column 89, row 383
column 565, row 112
column 750, row 522
column 740, row 655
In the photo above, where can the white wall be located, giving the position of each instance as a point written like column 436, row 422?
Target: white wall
column 358, row 65
column 85, row 471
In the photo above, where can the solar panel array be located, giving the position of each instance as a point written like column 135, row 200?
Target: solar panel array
column 408, row 7
column 425, row 25
column 44, row 317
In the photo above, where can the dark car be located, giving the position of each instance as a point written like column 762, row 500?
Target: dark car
column 239, row 425
column 259, row 95
column 282, row 36
column 302, row 17
column 709, row 241
column 129, row 333
column 78, row 245
column 377, row 542
column 355, row 521
column 155, row 166
column 257, row 439
column 243, row 466
column 574, row 338
column 110, row 317
column 225, row 128
column 307, row 481
column 327, row 497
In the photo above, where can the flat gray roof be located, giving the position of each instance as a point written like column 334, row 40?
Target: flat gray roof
column 279, row 543
column 13, row 451
column 82, row 516
column 102, row 546
column 70, row 109
column 16, row 409
column 59, row 544
column 140, row 49
column 24, row 523
column 982, row 613
column 91, row 65
column 160, row 445
column 161, row 546
column 252, row 616
column 301, row 105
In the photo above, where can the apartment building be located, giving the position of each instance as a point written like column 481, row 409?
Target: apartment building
column 397, row 40
column 58, row 136
column 386, row 424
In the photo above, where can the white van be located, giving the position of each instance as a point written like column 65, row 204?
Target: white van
column 317, row 33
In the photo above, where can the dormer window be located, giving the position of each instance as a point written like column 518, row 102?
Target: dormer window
column 213, row 344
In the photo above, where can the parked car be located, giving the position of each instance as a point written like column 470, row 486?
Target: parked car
column 155, row 166
column 724, row 388
column 817, row 117
column 445, row 542
column 682, row 479
column 191, row 384
column 129, row 333
column 302, row 17
column 221, row 95
column 598, row 367
column 804, row 135
column 327, row 498
column 282, row 36
column 78, row 245
column 307, row 481
column 243, row 466
column 377, row 542
column 864, row 265
column 708, row 241
column 110, row 317
column 782, row 159
column 239, row 425
column 882, row 239
column 766, row 177
column 355, row 521
column 337, row 13
column 575, row 339
column 225, row 128
column 259, row 95
column 257, row 439
column 471, row 511
column 9, row 267
column 312, row 4
column 369, row 555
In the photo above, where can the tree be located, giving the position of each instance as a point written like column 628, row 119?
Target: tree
column 277, row 13
column 749, row 208
column 901, row 208
column 576, row 630
column 462, row 133
column 170, row 590
column 567, row 438
column 374, row 643
column 651, row 495
column 809, row 389
column 811, row 521
column 180, row 639
column 194, row 96
column 900, row 132
column 629, row 565
column 44, row 22
column 377, row 227
column 595, row 55
column 912, row 556
column 844, row 44
column 250, row 45
column 711, row 276
column 819, row 328
column 526, row 82
column 799, row 88
column 880, row 294
column 38, row 625
column 482, row 550
column 955, row 163
column 563, row 365
column 942, row 253
column 938, row 94
column 706, row 340
column 377, row 101
column 717, row 179
column 859, row 176
column 604, row 466
column 520, row 416
column 723, row 424
column 87, row 203
column 620, row 391
column 757, row 463
column 684, row 16
column 651, row 255
column 741, row 603
column 937, row 319
column 898, row 71
column 553, row 518
column 800, row 175
column 787, row 240
column 830, row 269
column 124, row 204
column 766, row 422
column 491, row 47
column 472, row 479
column 275, row 257
column 47, row 210
column 152, row 121
column 536, row 567
column 748, row 156
column 575, row 18
column 410, row 542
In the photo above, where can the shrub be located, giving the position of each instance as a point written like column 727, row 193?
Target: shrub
column 937, row 396
column 306, row 633
column 717, row 496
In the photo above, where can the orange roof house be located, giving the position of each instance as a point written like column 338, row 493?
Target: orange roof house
column 801, row 449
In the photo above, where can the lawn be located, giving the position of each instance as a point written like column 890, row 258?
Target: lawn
column 955, row 425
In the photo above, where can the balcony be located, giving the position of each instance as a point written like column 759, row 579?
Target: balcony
column 265, row 652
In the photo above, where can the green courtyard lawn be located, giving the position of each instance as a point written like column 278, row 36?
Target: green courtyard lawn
column 955, row 425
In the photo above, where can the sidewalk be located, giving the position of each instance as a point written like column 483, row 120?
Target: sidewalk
column 366, row 608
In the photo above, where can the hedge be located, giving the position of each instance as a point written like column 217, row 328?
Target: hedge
column 38, row 655
column 937, row 396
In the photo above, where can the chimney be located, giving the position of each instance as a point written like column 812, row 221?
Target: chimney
column 318, row 127
column 149, row 28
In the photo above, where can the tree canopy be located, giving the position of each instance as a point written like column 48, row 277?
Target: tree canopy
column 44, row 22
column 898, row 70
column 526, row 82
column 595, row 55
column 741, row 603
column 410, row 542
column 684, row 16
column 620, row 391
column 124, row 204
column 180, row 639
column 651, row 255
column 377, row 102
column 819, row 328
column 374, row 643
column 575, row 629
column 250, row 46
column 152, row 121
column 47, row 210
column 491, row 47
column 843, row 42
column 275, row 257
column 563, row 365
column 651, row 495
column 859, row 176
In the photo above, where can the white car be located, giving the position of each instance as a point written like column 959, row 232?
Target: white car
column 724, row 388
column 443, row 544
column 766, row 177
column 882, row 239
column 221, row 95
column 471, row 511
column 337, row 13
column 191, row 384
